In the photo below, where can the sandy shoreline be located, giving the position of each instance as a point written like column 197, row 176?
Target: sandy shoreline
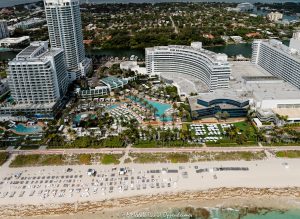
column 270, row 198
column 51, row 192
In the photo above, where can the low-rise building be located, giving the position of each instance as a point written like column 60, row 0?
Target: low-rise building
column 274, row 16
column 209, row 104
column 251, row 86
column 133, row 66
column 15, row 42
column 32, row 22
column 104, row 87
column 4, row 33
column 246, row 6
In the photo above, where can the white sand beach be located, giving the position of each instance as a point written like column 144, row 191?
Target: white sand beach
column 53, row 190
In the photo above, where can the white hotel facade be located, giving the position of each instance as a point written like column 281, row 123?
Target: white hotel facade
column 37, row 79
column 278, row 59
column 211, row 68
column 65, row 31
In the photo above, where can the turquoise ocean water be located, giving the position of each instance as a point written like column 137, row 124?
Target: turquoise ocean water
column 217, row 213
column 292, row 214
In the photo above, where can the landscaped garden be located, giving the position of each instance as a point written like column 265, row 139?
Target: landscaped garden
column 57, row 160
column 288, row 154
column 195, row 157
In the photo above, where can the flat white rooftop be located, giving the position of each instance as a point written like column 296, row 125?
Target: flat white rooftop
column 292, row 113
column 265, row 89
column 250, row 82
column 11, row 40
column 195, row 47
column 280, row 47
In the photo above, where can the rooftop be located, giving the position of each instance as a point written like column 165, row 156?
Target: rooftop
column 248, row 82
column 266, row 86
column 37, row 51
column 14, row 40
column 240, row 96
column 280, row 47
column 292, row 113
column 113, row 82
column 31, row 21
column 196, row 47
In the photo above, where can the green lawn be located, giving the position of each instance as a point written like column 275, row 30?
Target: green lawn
column 178, row 157
column 52, row 160
column 158, row 144
column 3, row 157
column 147, row 158
column 30, row 147
column 231, row 144
column 288, row 154
column 195, row 157
column 223, row 156
column 282, row 144
column 84, row 159
column 110, row 159
column 113, row 142
column 242, row 125
column 37, row 160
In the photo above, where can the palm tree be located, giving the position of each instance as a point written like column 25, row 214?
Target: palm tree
column 225, row 115
column 174, row 116
column 148, row 105
column 250, row 114
column 184, row 115
column 151, row 109
column 155, row 110
column 99, row 112
column 145, row 103
column 195, row 114
column 260, row 134
column 232, row 132
column 218, row 115
column 163, row 116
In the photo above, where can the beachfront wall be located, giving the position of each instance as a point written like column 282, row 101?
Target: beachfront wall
column 233, row 107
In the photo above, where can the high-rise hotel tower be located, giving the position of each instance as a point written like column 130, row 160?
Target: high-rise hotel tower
column 64, row 26
column 278, row 59
column 38, row 80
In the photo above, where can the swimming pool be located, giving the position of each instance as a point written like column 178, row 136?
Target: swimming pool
column 112, row 107
column 161, row 108
column 77, row 118
column 22, row 129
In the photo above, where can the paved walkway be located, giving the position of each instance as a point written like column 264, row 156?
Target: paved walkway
column 7, row 163
column 173, row 25
column 154, row 150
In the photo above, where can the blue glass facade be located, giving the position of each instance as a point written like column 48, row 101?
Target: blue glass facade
column 239, row 109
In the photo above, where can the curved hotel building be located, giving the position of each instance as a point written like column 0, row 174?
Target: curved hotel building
column 211, row 68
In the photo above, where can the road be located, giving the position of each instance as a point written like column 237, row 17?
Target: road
column 173, row 25
column 152, row 150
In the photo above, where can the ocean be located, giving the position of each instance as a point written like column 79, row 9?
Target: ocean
column 6, row 3
column 217, row 213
